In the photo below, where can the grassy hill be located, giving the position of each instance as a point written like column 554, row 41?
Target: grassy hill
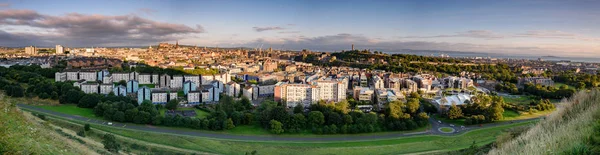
column 569, row 130
column 22, row 133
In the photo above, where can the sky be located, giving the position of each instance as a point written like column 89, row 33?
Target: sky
column 532, row 27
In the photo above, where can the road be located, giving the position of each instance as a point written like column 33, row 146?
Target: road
column 199, row 133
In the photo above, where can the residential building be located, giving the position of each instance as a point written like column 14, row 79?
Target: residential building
column 60, row 76
column 232, row 89
column 189, row 86
column 145, row 78
column 193, row 97
column 363, row 94
column 120, row 90
column 89, row 88
column 177, row 81
column 31, row 50
column 106, row 88
column 143, row 94
column 165, row 81
column 88, row 75
column 118, row 77
column 59, row 49
column 132, row 86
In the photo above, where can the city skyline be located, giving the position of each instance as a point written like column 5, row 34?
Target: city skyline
column 514, row 27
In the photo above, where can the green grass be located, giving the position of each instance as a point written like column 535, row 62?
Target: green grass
column 510, row 114
column 412, row 144
column 71, row 109
column 521, row 100
column 460, row 121
column 446, row 129
column 558, row 85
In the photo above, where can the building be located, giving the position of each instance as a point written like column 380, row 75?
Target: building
column 363, row 94
column 165, row 81
column 72, row 75
column 145, row 78
column 209, row 94
column 443, row 104
column 177, row 81
column 363, row 80
column 162, row 96
column 60, row 76
column 89, row 88
column 247, row 92
column 457, row 82
column 269, row 66
column 144, row 94
column 120, row 90
column 377, row 82
column 193, row 97
column 300, row 94
column 118, row 77
column 59, row 49
column 31, row 50
column 232, row 89
column 194, row 78
column 101, row 74
column 189, row 86
column 536, row 80
column 88, row 75
column 132, row 86
column 106, row 88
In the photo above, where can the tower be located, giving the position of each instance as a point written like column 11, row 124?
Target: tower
column 353, row 47
column 177, row 44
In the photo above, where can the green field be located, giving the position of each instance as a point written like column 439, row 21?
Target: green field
column 508, row 115
column 71, row 109
column 393, row 145
column 558, row 85
column 446, row 129
column 520, row 100
column 460, row 121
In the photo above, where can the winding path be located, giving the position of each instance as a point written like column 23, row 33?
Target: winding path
column 198, row 133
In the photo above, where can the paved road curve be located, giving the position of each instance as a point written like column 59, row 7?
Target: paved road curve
column 199, row 133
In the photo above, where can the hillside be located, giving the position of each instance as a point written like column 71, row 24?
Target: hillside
column 23, row 133
column 569, row 130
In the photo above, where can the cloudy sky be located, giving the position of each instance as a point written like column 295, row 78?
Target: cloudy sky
column 545, row 27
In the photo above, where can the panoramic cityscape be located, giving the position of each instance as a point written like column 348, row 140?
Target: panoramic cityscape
column 299, row 77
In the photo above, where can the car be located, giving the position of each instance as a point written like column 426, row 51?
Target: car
column 440, row 122
column 109, row 123
column 452, row 125
column 462, row 127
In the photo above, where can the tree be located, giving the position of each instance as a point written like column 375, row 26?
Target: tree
column 396, row 110
column 122, row 83
column 229, row 124
column 454, row 112
column 413, row 105
column 246, row 102
column 81, row 133
column 347, row 119
column 172, row 105
column 342, row 106
column 87, row 127
column 276, row 127
column 316, row 118
column 88, row 101
column 298, row 109
column 110, row 143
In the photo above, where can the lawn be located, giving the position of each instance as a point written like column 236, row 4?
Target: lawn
column 403, row 145
column 510, row 114
column 558, row 85
column 71, row 109
column 460, row 121
column 446, row 129
column 520, row 100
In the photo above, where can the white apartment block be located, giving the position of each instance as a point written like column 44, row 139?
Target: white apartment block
column 88, row 76
column 60, row 49
column 159, row 97
column 193, row 97
column 302, row 94
column 194, row 78
column 89, row 88
column 377, row 82
column 72, row 75
column 232, row 89
column 145, row 78
column 117, row 77
column 106, row 88
column 134, row 76
column 154, row 79
column 60, row 76
column 177, row 81
column 107, row 80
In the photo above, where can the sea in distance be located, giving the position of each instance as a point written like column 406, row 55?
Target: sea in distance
column 456, row 54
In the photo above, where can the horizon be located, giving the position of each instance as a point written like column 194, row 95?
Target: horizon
column 556, row 28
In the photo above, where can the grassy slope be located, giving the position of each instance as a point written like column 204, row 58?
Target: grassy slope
column 561, row 131
column 21, row 134
column 388, row 146
column 72, row 109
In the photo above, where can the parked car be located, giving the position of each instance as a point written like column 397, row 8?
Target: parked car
column 109, row 123
column 452, row 125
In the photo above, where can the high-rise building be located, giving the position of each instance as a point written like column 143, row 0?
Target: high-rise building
column 59, row 49
column 30, row 50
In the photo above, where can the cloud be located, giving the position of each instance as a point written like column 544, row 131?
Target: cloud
column 288, row 32
column 82, row 29
column 4, row 5
column 261, row 29
column 147, row 11
column 484, row 34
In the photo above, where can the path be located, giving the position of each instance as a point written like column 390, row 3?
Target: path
column 199, row 133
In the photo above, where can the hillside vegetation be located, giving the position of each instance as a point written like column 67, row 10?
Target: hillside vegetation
column 569, row 130
column 21, row 133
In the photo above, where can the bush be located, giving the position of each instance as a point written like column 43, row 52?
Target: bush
column 81, row 133
column 87, row 127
